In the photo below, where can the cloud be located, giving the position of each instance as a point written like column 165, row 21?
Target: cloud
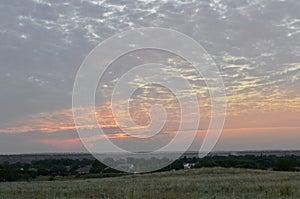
column 255, row 44
column 37, row 142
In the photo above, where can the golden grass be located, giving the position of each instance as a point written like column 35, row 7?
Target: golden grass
column 209, row 183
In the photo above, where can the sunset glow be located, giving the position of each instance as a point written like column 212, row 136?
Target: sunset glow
column 257, row 56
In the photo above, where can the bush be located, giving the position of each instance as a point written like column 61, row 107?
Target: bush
column 285, row 165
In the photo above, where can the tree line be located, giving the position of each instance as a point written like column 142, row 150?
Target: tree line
column 52, row 168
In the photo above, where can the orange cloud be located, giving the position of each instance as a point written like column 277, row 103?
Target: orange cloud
column 62, row 144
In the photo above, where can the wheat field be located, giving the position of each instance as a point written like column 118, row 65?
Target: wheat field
column 212, row 183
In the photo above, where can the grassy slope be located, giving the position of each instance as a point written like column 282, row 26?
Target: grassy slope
column 200, row 183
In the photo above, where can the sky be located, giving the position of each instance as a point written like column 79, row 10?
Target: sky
column 254, row 43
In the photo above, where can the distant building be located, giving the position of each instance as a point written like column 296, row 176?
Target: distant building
column 188, row 165
column 84, row 170
column 126, row 167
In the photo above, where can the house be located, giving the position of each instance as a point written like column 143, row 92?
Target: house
column 188, row 165
column 84, row 170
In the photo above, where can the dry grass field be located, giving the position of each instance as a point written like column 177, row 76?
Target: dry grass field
column 215, row 183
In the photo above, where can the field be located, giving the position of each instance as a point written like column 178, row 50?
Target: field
column 209, row 183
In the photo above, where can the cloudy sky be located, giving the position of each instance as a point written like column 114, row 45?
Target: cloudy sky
column 255, row 44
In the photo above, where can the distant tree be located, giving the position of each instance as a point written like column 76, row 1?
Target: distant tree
column 97, row 167
column 43, row 172
column 285, row 165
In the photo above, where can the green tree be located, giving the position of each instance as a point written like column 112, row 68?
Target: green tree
column 285, row 165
